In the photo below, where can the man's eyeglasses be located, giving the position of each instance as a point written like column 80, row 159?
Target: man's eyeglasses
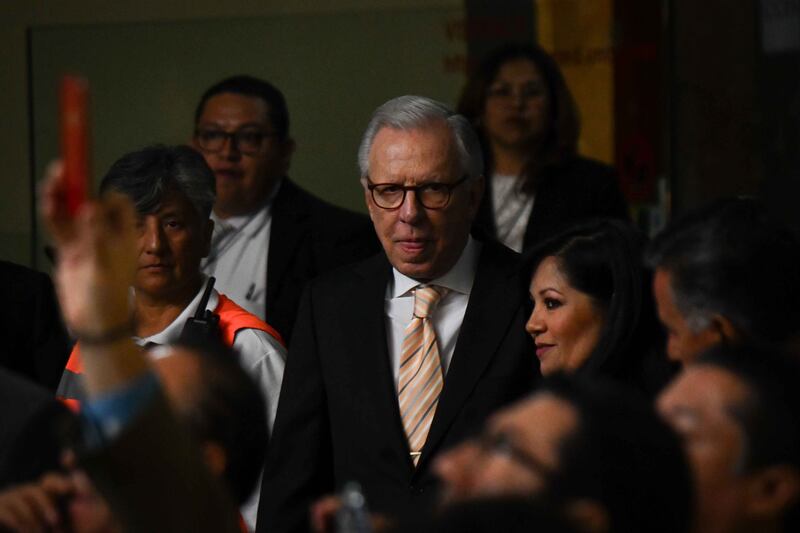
column 501, row 444
column 432, row 195
column 247, row 141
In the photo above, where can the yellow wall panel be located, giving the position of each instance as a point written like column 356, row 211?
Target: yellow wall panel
column 578, row 34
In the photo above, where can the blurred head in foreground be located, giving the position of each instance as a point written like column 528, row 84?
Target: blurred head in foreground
column 600, row 456
column 738, row 411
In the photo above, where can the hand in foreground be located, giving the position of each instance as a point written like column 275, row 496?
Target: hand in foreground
column 96, row 257
column 323, row 514
column 33, row 507
column 88, row 511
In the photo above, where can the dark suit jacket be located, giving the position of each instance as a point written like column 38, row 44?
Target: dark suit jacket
column 338, row 418
column 575, row 190
column 35, row 342
column 33, row 429
column 308, row 237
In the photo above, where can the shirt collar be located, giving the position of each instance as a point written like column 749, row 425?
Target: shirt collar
column 172, row 332
column 457, row 279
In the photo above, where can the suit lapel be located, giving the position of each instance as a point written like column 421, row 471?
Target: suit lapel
column 287, row 232
column 370, row 349
column 489, row 313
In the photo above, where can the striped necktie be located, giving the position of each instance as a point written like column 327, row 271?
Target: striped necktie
column 420, row 378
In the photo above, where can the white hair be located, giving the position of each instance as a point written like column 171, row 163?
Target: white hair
column 414, row 112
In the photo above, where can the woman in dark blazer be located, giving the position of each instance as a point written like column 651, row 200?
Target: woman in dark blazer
column 536, row 183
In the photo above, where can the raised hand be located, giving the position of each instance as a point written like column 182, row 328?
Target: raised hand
column 96, row 253
column 34, row 506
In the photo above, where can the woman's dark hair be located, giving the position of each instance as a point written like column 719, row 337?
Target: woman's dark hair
column 147, row 175
column 602, row 258
column 561, row 138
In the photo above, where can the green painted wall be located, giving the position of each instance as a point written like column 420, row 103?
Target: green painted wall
column 147, row 66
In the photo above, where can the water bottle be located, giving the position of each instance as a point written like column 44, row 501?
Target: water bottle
column 353, row 516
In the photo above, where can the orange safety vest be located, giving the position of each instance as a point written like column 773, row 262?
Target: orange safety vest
column 232, row 319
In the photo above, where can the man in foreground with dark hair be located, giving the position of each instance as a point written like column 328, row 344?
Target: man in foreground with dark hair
column 738, row 411
column 597, row 455
column 270, row 235
column 211, row 396
column 221, row 406
column 727, row 274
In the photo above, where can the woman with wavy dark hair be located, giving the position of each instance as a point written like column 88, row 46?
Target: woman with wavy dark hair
column 536, row 183
column 592, row 307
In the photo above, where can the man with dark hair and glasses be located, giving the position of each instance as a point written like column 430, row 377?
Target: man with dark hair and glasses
column 586, row 449
column 270, row 235
column 400, row 356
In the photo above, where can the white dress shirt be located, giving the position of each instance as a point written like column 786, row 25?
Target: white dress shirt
column 511, row 207
column 449, row 312
column 260, row 355
column 238, row 257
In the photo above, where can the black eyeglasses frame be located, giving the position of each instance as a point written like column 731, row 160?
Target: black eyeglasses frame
column 416, row 188
column 234, row 137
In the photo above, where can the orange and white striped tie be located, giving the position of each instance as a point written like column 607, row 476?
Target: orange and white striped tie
column 420, row 378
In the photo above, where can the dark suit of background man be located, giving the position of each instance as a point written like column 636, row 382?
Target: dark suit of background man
column 270, row 236
column 35, row 342
column 345, row 412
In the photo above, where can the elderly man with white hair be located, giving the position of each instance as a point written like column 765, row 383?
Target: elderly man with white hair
column 401, row 356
